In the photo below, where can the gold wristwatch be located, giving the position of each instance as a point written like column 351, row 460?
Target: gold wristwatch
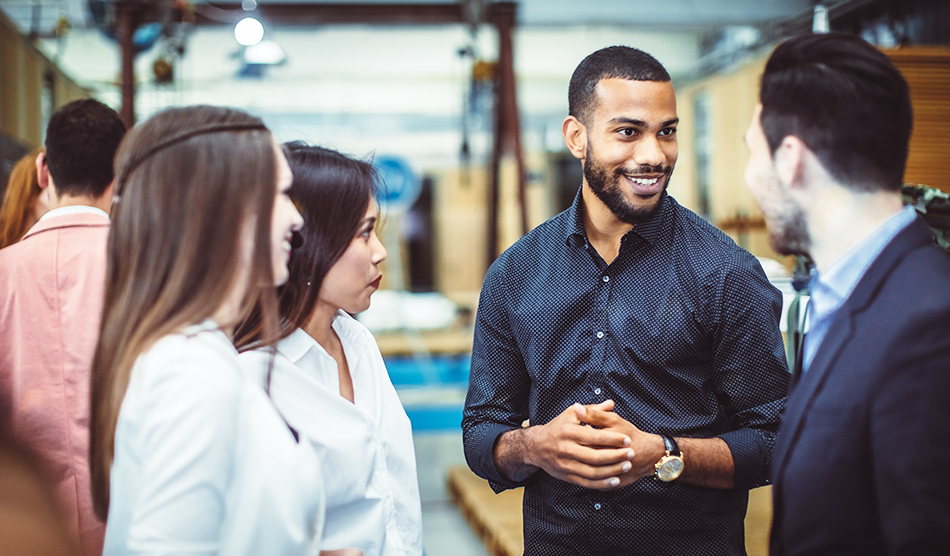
column 670, row 466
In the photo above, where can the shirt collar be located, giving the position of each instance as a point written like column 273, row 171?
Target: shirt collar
column 649, row 229
column 74, row 209
column 298, row 343
column 830, row 289
column 576, row 235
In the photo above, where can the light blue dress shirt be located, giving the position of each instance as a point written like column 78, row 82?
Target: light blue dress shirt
column 830, row 290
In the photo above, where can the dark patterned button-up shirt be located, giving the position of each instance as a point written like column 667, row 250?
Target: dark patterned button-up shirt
column 680, row 330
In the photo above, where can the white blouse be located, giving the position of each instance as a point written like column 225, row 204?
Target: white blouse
column 369, row 465
column 204, row 464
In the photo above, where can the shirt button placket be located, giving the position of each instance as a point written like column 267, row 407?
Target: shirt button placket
column 600, row 334
column 598, row 526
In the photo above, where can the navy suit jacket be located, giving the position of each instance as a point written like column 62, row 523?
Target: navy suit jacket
column 861, row 465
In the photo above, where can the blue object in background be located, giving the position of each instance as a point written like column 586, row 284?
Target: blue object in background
column 401, row 186
column 436, row 387
column 442, row 370
column 439, row 418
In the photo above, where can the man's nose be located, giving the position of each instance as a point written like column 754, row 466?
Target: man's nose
column 648, row 152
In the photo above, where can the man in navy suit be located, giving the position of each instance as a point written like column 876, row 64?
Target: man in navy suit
column 861, row 465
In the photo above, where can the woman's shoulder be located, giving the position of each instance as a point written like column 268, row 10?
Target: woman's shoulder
column 202, row 356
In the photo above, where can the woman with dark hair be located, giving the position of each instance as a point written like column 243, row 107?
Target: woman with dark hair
column 188, row 455
column 23, row 202
column 328, row 377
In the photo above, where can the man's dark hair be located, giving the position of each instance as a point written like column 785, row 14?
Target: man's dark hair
column 612, row 62
column 846, row 101
column 81, row 140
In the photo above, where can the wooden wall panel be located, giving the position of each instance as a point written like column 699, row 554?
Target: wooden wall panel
column 733, row 96
column 927, row 71
column 10, row 56
column 31, row 84
column 22, row 68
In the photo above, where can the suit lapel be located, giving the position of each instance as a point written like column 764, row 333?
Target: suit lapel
column 839, row 334
column 811, row 382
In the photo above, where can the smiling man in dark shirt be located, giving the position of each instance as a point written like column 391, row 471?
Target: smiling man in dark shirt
column 629, row 313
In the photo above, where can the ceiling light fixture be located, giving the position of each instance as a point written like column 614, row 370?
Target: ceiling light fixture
column 248, row 31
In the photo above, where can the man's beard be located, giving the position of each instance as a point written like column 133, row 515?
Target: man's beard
column 789, row 234
column 609, row 190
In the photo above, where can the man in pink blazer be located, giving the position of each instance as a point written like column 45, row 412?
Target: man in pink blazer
column 51, row 289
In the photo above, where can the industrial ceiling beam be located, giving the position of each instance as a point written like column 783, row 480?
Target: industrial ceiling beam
column 211, row 13
column 501, row 15
column 128, row 15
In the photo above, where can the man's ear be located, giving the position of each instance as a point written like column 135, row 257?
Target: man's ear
column 107, row 199
column 789, row 161
column 42, row 171
column 575, row 137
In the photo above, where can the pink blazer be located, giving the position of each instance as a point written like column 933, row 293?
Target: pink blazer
column 51, row 291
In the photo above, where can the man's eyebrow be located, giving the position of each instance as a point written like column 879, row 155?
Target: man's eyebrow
column 640, row 123
column 629, row 121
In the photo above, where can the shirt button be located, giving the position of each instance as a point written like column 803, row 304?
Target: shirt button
column 606, row 278
column 600, row 335
column 597, row 506
column 597, row 390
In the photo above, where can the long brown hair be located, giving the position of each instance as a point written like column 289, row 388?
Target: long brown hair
column 187, row 182
column 23, row 189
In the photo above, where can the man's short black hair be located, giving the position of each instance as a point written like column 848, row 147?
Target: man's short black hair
column 846, row 101
column 612, row 62
column 81, row 140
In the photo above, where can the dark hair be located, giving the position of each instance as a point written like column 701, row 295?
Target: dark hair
column 331, row 191
column 846, row 101
column 621, row 62
column 188, row 183
column 81, row 140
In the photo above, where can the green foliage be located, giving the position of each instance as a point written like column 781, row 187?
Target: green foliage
column 933, row 205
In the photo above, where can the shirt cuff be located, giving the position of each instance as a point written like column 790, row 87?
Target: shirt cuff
column 751, row 457
column 482, row 461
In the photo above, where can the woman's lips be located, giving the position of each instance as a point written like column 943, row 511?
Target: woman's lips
column 375, row 283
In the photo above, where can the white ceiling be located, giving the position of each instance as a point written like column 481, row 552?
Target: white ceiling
column 643, row 14
column 400, row 89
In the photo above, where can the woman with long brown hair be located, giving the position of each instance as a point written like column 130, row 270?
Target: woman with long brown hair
column 187, row 454
column 23, row 202
column 328, row 376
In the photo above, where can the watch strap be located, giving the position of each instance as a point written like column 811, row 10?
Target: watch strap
column 671, row 446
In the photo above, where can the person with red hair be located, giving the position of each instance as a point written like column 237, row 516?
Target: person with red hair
column 24, row 201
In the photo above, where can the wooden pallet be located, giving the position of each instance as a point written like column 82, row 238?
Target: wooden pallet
column 497, row 518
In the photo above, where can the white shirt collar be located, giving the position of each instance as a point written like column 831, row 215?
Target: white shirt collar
column 74, row 209
column 298, row 343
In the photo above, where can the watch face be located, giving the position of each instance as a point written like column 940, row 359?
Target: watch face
column 670, row 468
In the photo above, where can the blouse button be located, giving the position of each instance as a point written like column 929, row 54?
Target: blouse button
column 600, row 335
column 597, row 390
column 597, row 506
column 606, row 278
